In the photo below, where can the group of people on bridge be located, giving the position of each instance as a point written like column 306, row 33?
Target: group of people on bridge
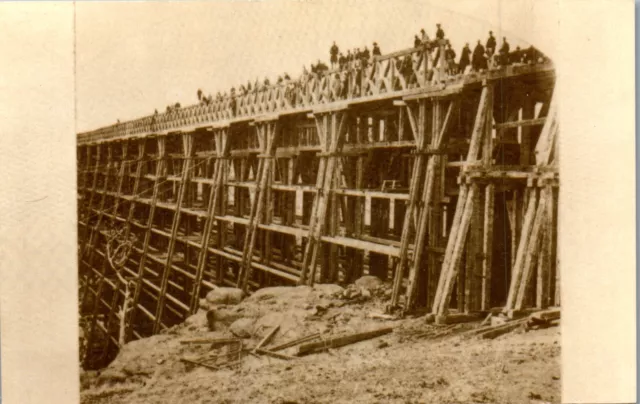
column 345, row 75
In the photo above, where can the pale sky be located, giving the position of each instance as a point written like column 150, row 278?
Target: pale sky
column 134, row 57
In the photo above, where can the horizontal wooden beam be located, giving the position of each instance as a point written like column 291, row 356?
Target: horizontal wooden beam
column 363, row 245
column 515, row 124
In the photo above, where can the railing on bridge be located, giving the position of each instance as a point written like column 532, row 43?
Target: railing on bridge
column 413, row 68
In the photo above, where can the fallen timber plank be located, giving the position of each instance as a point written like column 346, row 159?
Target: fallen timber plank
column 502, row 329
column 336, row 342
column 458, row 318
column 294, row 342
column 482, row 330
column 545, row 316
column 216, row 341
column 273, row 354
column 206, row 365
column 266, row 338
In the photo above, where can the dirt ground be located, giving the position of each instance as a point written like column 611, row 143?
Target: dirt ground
column 416, row 363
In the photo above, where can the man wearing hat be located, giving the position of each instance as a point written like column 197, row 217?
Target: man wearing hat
column 465, row 58
column 504, row 52
column 376, row 50
column 334, row 54
column 424, row 37
column 491, row 44
column 439, row 32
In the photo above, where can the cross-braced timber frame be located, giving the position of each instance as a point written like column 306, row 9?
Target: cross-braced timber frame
column 445, row 186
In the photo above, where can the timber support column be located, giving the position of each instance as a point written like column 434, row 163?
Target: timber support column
column 465, row 208
column 331, row 126
column 267, row 129
column 417, row 124
column 221, row 139
column 187, row 149
column 426, row 204
column 159, row 177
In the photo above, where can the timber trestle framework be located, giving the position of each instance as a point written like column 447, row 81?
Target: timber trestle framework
column 445, row 186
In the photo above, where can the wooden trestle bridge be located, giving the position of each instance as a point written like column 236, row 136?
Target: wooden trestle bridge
column 445, row 185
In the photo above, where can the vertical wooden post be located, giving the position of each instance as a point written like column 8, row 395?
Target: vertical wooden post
column 334, row 219
column 516, row 276
column 554, row 253
column 116, row 289
column 456, row 253
column 487, row 246
column 417, row 128
column 531, row 252
column 95, row 230
column 472, row 291
column 140, row 162
column 267, row 131
column 159, row 177
column 187, row 146
column 222, row 151
column 464, row 208
column 331, row 128
column 528, row 111
column 428, row 190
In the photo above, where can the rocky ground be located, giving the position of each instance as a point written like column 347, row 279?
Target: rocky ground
column 416, row 363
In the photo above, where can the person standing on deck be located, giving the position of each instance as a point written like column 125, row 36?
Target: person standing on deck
column 465, row 59
column 417, row 42
column 450, row 57
column 366, row 55
column 425, row 38
column 342, row 61
column 439, row 32
column 504, row 52
column 491, row 44
column 376, row 49
column 478, row 61
column 334, row 54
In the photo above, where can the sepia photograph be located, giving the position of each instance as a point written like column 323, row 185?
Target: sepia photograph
column 277, row 206
column 317, row 201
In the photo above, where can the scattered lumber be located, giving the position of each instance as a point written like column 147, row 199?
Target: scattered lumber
column 295, row 342
column 209, row 366
column 539, row 318
column 267, row 338
column 215, row 341
column 516, row 314
column 336, row 342
column 457, row 318
column 481, row 330
column 543, row 318
column 276, row 355
column 437, row 332
column 380, row 316
column 501, row 329
column 547, row 315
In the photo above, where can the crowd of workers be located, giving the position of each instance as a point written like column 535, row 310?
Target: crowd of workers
column 351, row 65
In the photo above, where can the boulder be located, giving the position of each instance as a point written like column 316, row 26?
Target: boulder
column 224, row 316
column 197, row 321
column 243, row 327
column 222, row 295
column 328, row 289
column 110, row 377
column 368, row 282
